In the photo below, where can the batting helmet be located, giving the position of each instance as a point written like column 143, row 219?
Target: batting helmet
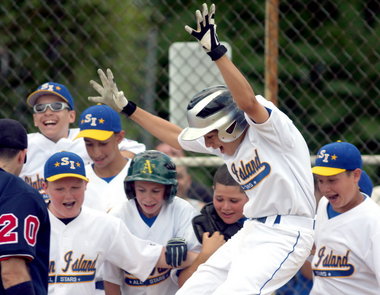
column 153, row 166
column 213, row 108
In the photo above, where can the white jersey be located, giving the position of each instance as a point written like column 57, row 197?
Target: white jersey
column 102, row 195
column 78, row 249
column 347, row 257
column 272, row 165
column 174, row 220
column 40, row 148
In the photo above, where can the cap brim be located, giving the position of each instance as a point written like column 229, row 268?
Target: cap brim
column 96, row 134
column 326, row 171
column 64, row 175
column 31, row 100
column 195, row 133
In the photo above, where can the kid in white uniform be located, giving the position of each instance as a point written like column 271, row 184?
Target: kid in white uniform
column 266, row 155
column 100, row 127
column 83, row 238
column 153, row 212
column 347, row 236
column 53, row 108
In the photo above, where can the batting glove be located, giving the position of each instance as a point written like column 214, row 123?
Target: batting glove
column 176, row 251
column 206, row 32
column 110, row 95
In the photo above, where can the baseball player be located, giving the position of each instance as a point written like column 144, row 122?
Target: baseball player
column 219, row 220
column 53, row 112
column 83, row 238
column 264, row 152
column 347, row 235
column 153, row 212
column 100, row 127
column 24, row 219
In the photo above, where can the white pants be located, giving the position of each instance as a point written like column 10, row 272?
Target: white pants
column 259, row 259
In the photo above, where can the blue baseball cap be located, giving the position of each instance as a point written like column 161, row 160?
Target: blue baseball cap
column 51, row 88
column 64, row 164
column 337, row 157
column 99, row 122
column 365, row 184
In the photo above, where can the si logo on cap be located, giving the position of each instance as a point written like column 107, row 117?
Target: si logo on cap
column 64, row 164
column 99, row 122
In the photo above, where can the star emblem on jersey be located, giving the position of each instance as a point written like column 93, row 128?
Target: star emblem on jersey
column 101, row 121
column 78, row 164
column 334, row 157
column 57, row 164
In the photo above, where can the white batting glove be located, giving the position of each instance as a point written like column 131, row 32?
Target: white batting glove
column 206, row 32
column 110, row 95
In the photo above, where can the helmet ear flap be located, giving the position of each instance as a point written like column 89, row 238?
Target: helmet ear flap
column 170, row 192
column 129, row 188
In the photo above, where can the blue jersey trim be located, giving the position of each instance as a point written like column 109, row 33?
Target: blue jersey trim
column 148, row 220
column 294, row 246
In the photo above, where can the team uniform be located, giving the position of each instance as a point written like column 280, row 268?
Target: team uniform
column 174, row 220
column 272, row 165
column 25, row 228
column 103, row 195
column 40, row 148
column 347, row 257
column 80, row 247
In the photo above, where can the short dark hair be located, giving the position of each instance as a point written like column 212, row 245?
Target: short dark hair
column 8, row 153
column 223, row 176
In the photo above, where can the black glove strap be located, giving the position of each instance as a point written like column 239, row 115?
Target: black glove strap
column 130, row 108
column 218, row 52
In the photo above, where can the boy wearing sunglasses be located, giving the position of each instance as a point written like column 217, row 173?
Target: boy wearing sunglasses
column 53, row 112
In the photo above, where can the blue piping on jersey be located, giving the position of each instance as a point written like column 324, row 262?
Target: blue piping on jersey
column 294, row 246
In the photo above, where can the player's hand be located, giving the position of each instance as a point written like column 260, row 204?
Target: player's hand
column 176, row 251
column 206, row 32
column 211, row 243
column 109, row 94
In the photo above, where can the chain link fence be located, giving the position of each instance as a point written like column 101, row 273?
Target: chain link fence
column 328, row 66
column 329, row 60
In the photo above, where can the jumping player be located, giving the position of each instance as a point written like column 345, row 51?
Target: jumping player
column 153, row 212
column 266, row 155
column 25, row 225
column 100, row 126
column 53, row 112
column 347, row 235
column 83, row 238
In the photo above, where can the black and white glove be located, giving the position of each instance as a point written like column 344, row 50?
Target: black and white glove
column 110, row 94
column 176, row 251
column 206, row 32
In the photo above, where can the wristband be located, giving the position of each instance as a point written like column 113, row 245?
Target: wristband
column 130, row 108
column 23, row 288
column 218, row 52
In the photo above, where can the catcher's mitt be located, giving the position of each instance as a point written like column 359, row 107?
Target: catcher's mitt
column 209, row 221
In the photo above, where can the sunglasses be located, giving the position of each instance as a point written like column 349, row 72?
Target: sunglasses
column 55, row 107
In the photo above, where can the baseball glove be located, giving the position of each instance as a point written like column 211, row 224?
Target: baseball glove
column 209, row 221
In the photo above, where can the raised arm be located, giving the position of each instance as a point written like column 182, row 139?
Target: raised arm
column 160, row 128
column 109, row 94
column 240, row 89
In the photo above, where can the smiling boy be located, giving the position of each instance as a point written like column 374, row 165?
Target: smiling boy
column 53, row 112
